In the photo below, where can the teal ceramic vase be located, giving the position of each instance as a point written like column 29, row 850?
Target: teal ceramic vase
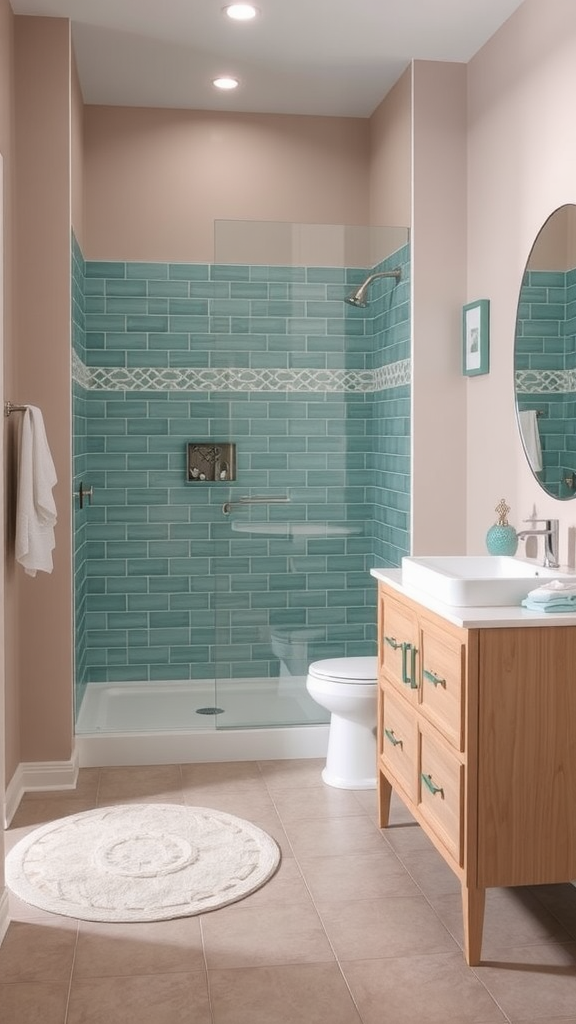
column 502, row 538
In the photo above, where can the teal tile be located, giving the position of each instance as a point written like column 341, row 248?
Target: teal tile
column 188, row 271
column 148, row 655
column 146, row 323
column 147, row 271
column 103, row 268
column 125, row 287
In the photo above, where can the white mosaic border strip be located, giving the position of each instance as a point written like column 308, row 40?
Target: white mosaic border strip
column 110, row 378
column 80, row 372
column 533, row 382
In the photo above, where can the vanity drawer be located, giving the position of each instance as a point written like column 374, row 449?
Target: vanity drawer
column 399, row 733
column 399, row 645
column 441, row 792
column 443, row 659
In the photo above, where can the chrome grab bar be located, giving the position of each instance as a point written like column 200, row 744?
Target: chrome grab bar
column 256, row 499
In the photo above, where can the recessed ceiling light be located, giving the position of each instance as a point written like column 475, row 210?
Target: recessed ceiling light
column 241, row 12
column 225, row 82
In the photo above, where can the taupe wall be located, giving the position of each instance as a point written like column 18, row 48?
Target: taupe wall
column 8, row 707
column 9, row 715
column 156, row 180
column 521, row 166
column 39, row 641
column 391, row 156
column 438, row 290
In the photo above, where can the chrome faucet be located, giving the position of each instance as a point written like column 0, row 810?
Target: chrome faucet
column 551, row 540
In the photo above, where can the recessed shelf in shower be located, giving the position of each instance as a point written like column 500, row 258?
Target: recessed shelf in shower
column 211, row 462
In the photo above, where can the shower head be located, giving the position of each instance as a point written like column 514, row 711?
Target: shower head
column 358, row 296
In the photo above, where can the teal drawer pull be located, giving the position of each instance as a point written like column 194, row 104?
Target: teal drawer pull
column 427, row 780
column 433, row 678
column 409, row 677
column 393, row 739
column 393, row 643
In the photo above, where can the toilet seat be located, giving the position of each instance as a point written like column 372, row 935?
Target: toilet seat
column 345, row 670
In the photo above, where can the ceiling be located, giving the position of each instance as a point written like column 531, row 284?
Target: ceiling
column 328, row 57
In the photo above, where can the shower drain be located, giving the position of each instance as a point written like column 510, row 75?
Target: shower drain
column 209, row 711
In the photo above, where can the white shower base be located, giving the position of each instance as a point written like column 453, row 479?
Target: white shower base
column 160, row 723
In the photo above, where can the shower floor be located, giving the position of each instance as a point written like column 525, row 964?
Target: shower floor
column 196, row 706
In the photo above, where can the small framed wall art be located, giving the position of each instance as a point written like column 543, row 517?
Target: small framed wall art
column 476, row 338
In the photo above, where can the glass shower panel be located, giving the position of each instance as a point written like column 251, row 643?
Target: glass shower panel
column 295, row 536
column 265, row 640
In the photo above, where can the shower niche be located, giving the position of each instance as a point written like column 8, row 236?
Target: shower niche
column 210, row 462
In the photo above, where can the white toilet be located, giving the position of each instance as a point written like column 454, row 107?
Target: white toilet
column 347, row 688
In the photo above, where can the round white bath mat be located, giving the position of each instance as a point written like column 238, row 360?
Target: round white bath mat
column 141, row 862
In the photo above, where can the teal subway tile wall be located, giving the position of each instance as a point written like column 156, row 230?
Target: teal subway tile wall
column 545, row 369
column 314, row 394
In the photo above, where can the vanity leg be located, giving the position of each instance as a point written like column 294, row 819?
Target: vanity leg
column 473, row 901
column 384, row 795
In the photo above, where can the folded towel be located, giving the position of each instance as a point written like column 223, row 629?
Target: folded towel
column 531, row 437
column 35, row 508
column 550, row 607
column 555, row 589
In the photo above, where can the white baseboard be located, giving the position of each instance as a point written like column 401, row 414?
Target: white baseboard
column 37, row 776
column 4, row 915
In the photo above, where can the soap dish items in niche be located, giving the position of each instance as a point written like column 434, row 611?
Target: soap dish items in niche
column 211, row 462
column 502, row 538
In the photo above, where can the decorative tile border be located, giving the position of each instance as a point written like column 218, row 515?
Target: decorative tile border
column 80, row 372
column 111, row 378
column 533, row 382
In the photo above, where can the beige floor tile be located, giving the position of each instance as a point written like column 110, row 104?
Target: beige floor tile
column 431, row 872
column 559, row 900
column 271, row 824
column 158, row 947
column 367, row 799
column 556, row 1020
column 264, row 935
column 39, row 809
column 330, row 837
column 318, row 802
column 21, row 911
column 286, row 886
column 513, row 917
column 294, row 994
column 399, row 813
column 361, row 876
column 406, row 838
column 244, row 802
column 395, row 926
column 292, row 774
column 161, row 782
column 533, row 983
column 437, row 989
column 33, row 1003
column 38, row 951
column 148, row 999
column 222, row 774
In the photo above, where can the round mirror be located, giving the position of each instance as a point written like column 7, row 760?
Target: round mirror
column 545, row 355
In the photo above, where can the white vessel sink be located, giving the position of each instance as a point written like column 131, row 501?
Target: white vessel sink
column 477, row 580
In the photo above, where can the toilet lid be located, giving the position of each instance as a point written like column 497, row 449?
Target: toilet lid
column 349, row 670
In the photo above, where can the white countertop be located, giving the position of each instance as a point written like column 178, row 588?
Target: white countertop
column 475, row 618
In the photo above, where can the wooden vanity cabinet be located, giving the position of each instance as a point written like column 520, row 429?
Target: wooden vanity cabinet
column 477, row 735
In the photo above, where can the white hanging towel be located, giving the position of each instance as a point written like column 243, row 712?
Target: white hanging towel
column 35, row 507
column 531, row 438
